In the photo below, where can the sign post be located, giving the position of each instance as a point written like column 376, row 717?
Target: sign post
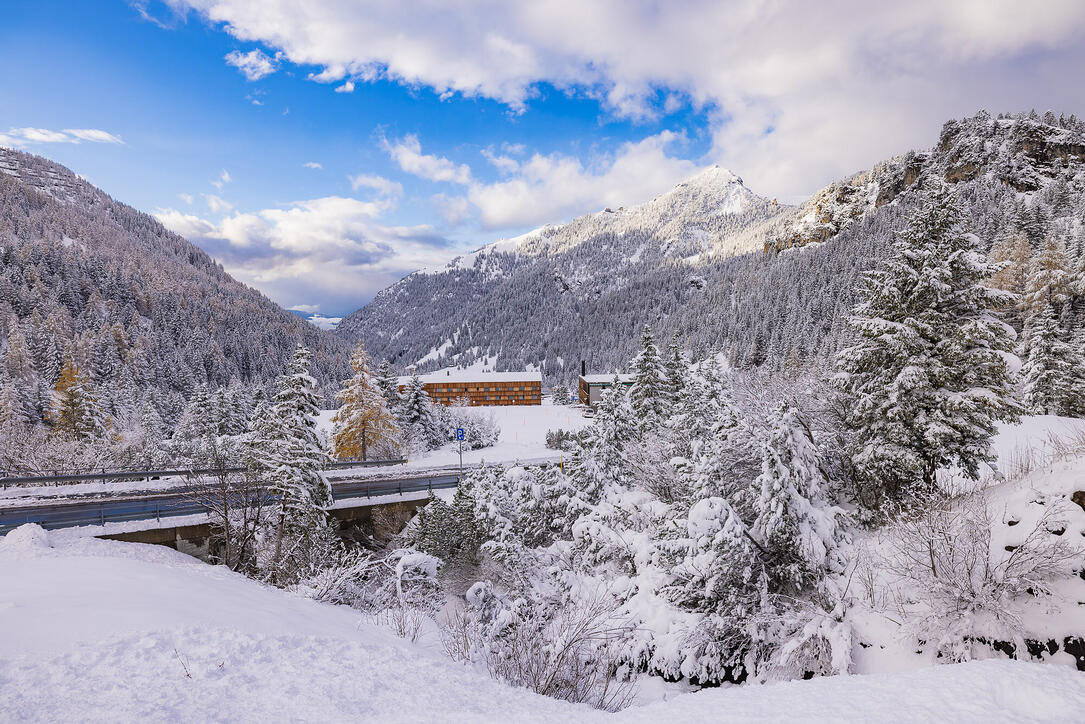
column 460, row 435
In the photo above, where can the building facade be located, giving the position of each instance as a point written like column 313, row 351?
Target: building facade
column 481, row 388
column 592, row 386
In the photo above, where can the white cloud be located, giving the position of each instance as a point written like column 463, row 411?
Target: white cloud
column 187, row 198
column 217, row 204
column 222, row 180
column 407, row 152
column 384, row 188
column 93, row 135
column 549, row 188
column 254, row 64
column 312, row 164
column 27, row 136
column 347, row 87
column 556, row 187
column 333, row 252
column 319, row 320
column 798, row 93
column 305, row 308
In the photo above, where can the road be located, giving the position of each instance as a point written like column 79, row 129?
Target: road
column 65, row 514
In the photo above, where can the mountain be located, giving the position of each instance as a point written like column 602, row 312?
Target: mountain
column 720, row 267
column 143, row 311
column 537, row 298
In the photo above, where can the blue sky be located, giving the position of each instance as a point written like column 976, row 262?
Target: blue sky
column 467, row 123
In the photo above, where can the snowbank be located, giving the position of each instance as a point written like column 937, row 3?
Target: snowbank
column 94, row 630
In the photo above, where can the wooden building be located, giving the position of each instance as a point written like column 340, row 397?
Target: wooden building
column 592, row 386
column 481, row 388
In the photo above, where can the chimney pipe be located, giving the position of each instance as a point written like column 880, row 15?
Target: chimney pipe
column 583, row 368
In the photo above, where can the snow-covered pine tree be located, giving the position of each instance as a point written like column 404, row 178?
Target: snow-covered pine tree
column 1048, row 373
column 676, row 371
column 295, row 458
column 388, row 384
column 927, row 373
column 363, row 420
column 600, row 460
column 417, row 416
column 560, row 394
column 648, row 395
column 77, row 411
column 719, row 574
column 13, row 419
column 1051, row 362
column 796, row 524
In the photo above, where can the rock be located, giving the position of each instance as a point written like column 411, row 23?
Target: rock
column 1079, row 498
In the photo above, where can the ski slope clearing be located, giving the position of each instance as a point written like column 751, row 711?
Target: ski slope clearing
column 94, row 630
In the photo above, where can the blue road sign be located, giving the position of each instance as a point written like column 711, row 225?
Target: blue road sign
column 460, row 434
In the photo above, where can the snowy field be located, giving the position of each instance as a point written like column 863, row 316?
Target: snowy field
column 94, row 630
column 523, row 435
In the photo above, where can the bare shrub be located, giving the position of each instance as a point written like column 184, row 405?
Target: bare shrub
column 960, row 588
column 238, row 506
column 572, row 651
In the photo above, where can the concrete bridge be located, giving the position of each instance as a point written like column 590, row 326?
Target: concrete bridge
column 146, row 515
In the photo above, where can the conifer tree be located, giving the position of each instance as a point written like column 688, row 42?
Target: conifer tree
column 1049, row 371
column 294, row 456
column 600, row 460
column 363, row 419
column 560, row 394
column 417, row 415
column 13, row 417
column 1052, row 364
column 648, row 394
column 795, row 523
column 676, row 371
column 927, row 373
column 388, row 384
column 77, row 410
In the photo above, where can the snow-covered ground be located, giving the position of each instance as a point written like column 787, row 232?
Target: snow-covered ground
column 523, row 435
column 94, row 630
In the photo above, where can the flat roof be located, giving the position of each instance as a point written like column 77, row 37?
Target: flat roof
column 606, row 379
column 466, row 376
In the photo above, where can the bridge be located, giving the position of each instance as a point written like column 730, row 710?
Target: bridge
column 154, row 505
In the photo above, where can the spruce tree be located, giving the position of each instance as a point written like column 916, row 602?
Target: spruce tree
column 600, row 460
column 1052, row 364
column 417, row 414
column 77, row 410
column 293, row 453
column 795, row 525
column 363, row 419
column 927, row 374
column 388, row 384
column 560, row 394
column 1048, row 373
column 676, row 371
column 648, row 395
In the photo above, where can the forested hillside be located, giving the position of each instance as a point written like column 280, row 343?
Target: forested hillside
column 146, row 316
column 778, row 304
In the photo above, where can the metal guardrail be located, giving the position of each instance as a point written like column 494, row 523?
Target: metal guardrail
column 106, row 475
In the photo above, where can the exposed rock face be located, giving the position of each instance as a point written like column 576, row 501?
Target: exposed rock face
column 1024, row 152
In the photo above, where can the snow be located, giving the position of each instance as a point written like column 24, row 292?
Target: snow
column 457, row 374
column 106, row 631
column 523, row 437
column 606, row 379
column 987, row 691
column 97, row 630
